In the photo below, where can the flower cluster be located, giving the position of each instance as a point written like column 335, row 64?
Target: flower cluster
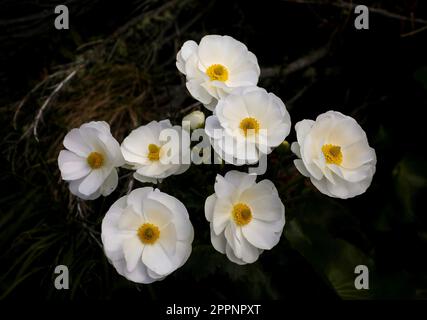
column 147, row 234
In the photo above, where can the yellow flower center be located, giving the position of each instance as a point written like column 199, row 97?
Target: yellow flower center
column 217, row 72
column 242, row 214
column 249, row 125
column 148, row 233
column 332, row 154
column 95, row 160
column 153, row 152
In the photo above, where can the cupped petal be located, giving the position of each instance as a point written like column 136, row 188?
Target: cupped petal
column 132, row 249
column 72, row 166
column 74, row 189
column 188, row 48
column 137, row 197
column 240, row 180
column 299, row 164
column 218, row 241
column 180, row 215
column 198, row 92
column 156, row 212
column 93, row 181
column 110, row 184
column 267, row 208
column 209, row 206
column 264, row 188
column 156, row 259
column 74, row 142
column 232, row 257
column 302, row 128
column 263, row 235
column 224, row 189
column 168, row 238
column 222, row 215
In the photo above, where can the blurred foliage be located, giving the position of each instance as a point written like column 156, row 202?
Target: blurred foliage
column 121, row 60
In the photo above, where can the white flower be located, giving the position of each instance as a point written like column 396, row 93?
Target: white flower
column 335, row 155
column 247, row 124
column 90, row 162
column 147, row 150
column 245, row 217
column 196, row 119
column 215, row 67
column 147, row 235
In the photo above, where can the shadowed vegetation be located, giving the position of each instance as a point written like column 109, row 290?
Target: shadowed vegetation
column 118, row 65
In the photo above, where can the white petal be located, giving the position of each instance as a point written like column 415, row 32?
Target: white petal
column 233, row 235
column 198, row 92
column 72, row 166
column 209, row 206
column 357, row 154
column 221, row 216
column 156, row 259
column 138, row 275
column 74, row 142
column 179, row 212
column 262, row 189
column 110, row 184
column 187, row 49
column 93, row 181
column 299, row 164
column 74, row 189
column 136, row 198
column 223, row 188
column 218, row 241
column 232, row 257
column 302, row 128
column 240, row 180
column 250, row 253
column 132, row 249
column 231, row 111
column 346, row 132
column 296, row 149
column 168, row 239
column 130, row 220
column 267, row 208
column 155, row 212
column 182, row 253
column 261, row 234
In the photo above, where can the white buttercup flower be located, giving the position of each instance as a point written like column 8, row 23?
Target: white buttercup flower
column 147, row 235
column 247, row 124
column 195, row 118
column 335, row 155
column 90, row 161
column 215, row 67
column 245, row 217
column 147, row 150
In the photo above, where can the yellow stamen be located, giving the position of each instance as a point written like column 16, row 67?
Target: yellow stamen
column 249, row 125
column 332, row 153
column 242, row 214
column 95, row 160
column 148, row 233
column 153, row 152
column 217, row 72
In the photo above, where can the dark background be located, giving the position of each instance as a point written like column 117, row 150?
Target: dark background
column 123, row 55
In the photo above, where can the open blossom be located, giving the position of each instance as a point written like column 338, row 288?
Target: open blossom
column 245, row 217
column 247, row 124
column 90, row 161
column 147, row 235
column 157, row 150
column 334, row 153
column 215, row 67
